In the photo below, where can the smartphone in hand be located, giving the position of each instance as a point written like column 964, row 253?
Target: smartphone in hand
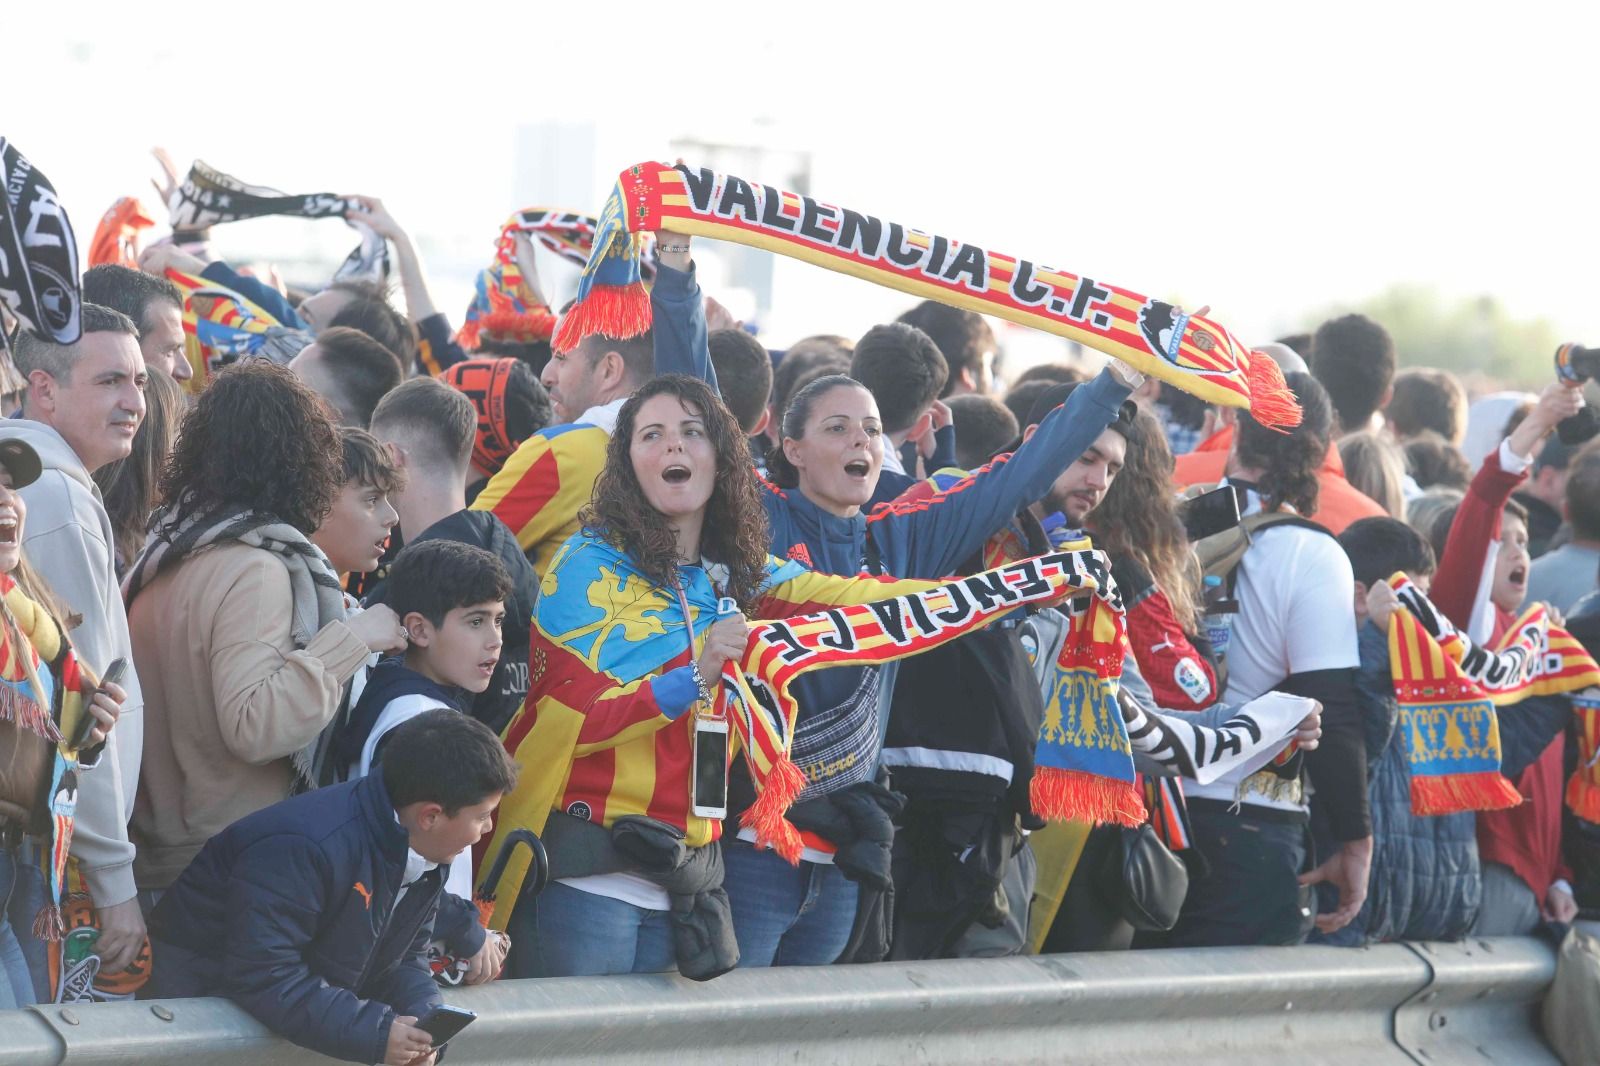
column 113, row 676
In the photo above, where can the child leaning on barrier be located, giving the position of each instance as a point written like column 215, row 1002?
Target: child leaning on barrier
column 315, row 914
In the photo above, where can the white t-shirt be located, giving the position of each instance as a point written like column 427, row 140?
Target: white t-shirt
column 399, row 710
column 1296, row 595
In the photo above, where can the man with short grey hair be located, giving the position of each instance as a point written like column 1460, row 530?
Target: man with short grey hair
column 84, row 404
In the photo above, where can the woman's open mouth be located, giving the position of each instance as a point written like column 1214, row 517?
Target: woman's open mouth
column 858, row 468
column 8, row 527
column 675, row 475
column 1519, row 577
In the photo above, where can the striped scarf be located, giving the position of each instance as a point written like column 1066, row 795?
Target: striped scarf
column 764, row 712
column 41, row 692
column 318, row 598
column 221, row 327
column 1191, row 353
column 1449, row 690
column 207, row 196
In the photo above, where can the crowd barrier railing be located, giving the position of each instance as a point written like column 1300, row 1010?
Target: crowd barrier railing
column 1429, row 1004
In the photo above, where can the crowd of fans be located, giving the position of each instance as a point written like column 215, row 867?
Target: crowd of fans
column 353, row 588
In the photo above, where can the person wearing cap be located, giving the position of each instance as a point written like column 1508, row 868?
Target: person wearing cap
column 30, row 890
column 84, row 404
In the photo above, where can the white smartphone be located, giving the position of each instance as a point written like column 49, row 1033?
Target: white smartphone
column 708, row 787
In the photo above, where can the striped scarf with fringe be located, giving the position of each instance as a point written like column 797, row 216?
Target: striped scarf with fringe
column 1189, row 352
column 1450, row 692
column 41, row 692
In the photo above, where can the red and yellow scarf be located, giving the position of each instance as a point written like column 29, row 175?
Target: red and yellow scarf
column 41, row 692
column 1191, row 353
column 1448, row 690
column 764, row 713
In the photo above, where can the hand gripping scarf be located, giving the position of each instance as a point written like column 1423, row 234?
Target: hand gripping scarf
column 207, row 196
column 41, row 692
column 764, row 712
column 116, row 238
column 1448, row 690
column 220, row 326
column 1193, row 354
column 38, row 253
column 483, row 381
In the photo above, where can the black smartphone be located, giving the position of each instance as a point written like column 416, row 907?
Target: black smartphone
column 113, row 676
column 1210, row 513
column 443, row 1022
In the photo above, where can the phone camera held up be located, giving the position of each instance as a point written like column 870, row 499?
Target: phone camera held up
column 1577, row 365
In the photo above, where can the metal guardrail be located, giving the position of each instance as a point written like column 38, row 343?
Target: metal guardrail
column 1428, row 1004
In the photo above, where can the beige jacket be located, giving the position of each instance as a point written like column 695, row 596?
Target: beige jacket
column 228, row 699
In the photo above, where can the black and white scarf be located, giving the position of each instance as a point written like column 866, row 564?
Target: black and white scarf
column 207, row 196
column 38, row 253
column 318, row 599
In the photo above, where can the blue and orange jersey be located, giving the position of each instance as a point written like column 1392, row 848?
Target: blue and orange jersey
column 544, row 484
column 611, row 646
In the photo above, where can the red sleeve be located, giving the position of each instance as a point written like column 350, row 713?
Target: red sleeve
column 1476, row 526
column 1179, row 676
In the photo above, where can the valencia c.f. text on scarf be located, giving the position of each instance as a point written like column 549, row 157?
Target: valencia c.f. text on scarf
column 1189, row 352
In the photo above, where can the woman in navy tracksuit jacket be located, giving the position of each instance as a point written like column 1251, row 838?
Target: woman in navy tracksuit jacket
column 803, row 915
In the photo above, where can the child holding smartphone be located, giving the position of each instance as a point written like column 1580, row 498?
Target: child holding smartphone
column 315, row 914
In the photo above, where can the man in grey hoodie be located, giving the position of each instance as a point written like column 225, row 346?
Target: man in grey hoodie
column 84, row 403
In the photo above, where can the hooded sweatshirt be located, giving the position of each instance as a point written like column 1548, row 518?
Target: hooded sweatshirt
column 67, row 538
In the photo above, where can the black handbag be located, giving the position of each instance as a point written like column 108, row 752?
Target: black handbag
column 1143, row 880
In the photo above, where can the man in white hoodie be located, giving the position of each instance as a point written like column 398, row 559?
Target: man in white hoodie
column 84, row 403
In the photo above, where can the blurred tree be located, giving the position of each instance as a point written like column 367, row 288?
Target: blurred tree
column 1474, row 337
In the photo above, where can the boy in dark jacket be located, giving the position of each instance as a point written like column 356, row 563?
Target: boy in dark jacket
column 315, row 914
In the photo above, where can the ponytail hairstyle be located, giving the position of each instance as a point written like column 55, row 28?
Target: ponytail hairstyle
column 1289, row 461
column 780, row 471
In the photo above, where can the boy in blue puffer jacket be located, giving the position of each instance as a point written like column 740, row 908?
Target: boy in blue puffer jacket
column 315, row 914
column 1424, row 883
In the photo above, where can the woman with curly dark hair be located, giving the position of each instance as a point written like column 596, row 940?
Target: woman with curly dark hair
column 1137, row 524
column 637, row 613
column 238, row 620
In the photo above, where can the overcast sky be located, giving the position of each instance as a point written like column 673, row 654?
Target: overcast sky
column 1268, row 159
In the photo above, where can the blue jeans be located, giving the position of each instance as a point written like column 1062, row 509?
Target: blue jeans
column 24, row 963
column 787, row 915
column 567, row 932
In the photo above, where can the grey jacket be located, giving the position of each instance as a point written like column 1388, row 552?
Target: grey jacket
column 67, row 538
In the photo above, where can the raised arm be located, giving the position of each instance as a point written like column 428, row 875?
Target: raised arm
column 678, row 312
column 936, row 534
column 794, row 589
column 437, row 349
